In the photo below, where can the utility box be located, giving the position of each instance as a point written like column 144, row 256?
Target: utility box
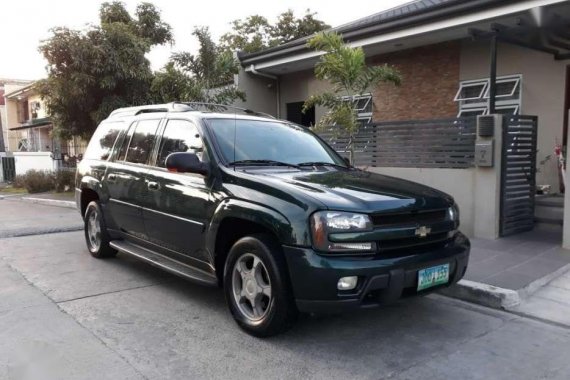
column 484, row 153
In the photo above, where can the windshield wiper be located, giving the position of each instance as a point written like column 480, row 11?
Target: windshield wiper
column 262, row 162
column 318, row 163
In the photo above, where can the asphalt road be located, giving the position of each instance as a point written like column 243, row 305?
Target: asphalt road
column 65, row 315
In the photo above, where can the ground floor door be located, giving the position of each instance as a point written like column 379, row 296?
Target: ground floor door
column 296, row 115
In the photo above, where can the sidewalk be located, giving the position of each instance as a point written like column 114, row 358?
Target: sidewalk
column 551, row 302
column 52, row 199
column 503, row 272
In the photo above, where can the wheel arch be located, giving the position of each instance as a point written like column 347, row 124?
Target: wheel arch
column 235, row 219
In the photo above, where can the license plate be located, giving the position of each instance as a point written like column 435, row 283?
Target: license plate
column 433, row 276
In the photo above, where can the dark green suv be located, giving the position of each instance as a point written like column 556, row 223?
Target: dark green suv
column 265, row 209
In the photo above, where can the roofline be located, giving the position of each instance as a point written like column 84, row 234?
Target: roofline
column 421, row 16
column 19, row 91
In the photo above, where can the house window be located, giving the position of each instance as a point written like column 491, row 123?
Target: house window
column 363, row 105
column 473, row 96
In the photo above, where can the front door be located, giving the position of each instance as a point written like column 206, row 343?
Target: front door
column 125, row 179
column 181, row 202
column 296, row 115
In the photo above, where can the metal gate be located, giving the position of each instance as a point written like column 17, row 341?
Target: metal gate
column 518, row 174
column 9, row 168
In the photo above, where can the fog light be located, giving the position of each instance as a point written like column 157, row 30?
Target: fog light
column 347, row 283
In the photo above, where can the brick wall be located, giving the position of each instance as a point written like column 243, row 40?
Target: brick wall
column 430, row 78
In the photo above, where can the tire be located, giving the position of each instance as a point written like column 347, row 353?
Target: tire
column 96, row 235
column 262, row 265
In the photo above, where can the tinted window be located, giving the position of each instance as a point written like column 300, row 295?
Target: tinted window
column 142, row 141
column 101, row 143
column 179, row 136
column 270, row 140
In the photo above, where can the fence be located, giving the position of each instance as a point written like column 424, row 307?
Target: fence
column 441, row 143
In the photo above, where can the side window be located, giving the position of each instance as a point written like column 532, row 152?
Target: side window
column 103, row 139
column 142, row 141
column 180, row 136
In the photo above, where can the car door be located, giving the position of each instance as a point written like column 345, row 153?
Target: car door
column 182, row 202
column 125, row 178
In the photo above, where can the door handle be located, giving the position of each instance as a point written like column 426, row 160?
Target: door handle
column 111, row 177
column 153, row 186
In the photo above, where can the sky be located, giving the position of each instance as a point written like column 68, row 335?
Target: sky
column 26, row 23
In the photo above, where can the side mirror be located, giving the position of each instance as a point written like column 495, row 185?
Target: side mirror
column 184, row 162
column 346, row 160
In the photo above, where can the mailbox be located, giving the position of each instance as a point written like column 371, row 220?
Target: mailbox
column 484, row 153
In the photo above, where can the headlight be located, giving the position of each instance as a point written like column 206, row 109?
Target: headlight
column 325, row 222
column 453, row 213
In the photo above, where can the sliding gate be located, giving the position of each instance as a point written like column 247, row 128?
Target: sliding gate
column 518, row 174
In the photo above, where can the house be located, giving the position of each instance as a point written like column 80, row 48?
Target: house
column 447, row 51
column 29, row 133
column 11, row 84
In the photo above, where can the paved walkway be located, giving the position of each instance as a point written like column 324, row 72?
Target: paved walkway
column 551, row 302
column 517, row 261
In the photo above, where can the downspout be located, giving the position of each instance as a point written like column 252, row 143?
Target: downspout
column 277, row 85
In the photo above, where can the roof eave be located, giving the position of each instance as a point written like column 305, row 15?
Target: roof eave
column 363, row 31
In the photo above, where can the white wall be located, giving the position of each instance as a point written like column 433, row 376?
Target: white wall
column 459, row 183
column 25, row 161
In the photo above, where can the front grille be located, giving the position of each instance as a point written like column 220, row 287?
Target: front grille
column 414, row 217
column 412, row 245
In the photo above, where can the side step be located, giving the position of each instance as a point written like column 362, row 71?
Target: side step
column 163, row 262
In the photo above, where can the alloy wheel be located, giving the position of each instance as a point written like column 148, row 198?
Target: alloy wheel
column 251, row 287
column 94, row 231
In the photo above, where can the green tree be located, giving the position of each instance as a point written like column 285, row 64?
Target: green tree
column 256, row 33
column 205, row 77
column 94, row 71
column 345, row 69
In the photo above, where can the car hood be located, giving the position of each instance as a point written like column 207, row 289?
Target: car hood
column 355, row 190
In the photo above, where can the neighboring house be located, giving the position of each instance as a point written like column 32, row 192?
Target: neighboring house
column 12, row 85
column 30, row 135
column 443, row 50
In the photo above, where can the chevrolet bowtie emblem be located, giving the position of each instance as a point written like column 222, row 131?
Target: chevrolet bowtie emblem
column 423, row 231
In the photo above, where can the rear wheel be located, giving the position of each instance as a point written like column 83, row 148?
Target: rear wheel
column 96, row 235
column 257, row 286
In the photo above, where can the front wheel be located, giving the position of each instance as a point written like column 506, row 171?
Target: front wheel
column 96, row 235
column 257, row 289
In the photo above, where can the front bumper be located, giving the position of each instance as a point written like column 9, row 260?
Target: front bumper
column 314, row 277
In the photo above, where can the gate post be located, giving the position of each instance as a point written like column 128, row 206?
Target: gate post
column 487, row 205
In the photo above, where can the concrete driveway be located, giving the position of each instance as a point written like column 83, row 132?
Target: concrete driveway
column 66, row 315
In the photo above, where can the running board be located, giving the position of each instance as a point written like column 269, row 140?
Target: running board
column 163, row 262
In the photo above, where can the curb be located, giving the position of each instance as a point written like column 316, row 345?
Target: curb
column 483, row 294
column 38, row 231
column 495, row 297
column 50, row 202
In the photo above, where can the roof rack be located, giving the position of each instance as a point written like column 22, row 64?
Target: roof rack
column 214, row 107
column 182, row 107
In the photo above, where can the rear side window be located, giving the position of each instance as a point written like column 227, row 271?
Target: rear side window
column 103, row 139
column 142, row 141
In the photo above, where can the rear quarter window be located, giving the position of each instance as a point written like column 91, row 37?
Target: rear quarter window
column 101, row 144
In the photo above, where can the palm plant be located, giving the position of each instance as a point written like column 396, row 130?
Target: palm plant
column 345, row 68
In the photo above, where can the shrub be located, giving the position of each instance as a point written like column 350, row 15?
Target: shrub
column 19, row 181
column 37, row 181
column 64, row 180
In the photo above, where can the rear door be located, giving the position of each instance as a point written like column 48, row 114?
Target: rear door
column 125, row 178
column 181, row 202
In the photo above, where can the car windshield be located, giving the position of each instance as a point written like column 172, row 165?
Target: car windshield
column 271, row 143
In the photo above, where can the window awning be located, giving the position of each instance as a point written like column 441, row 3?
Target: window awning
column 33, row 124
